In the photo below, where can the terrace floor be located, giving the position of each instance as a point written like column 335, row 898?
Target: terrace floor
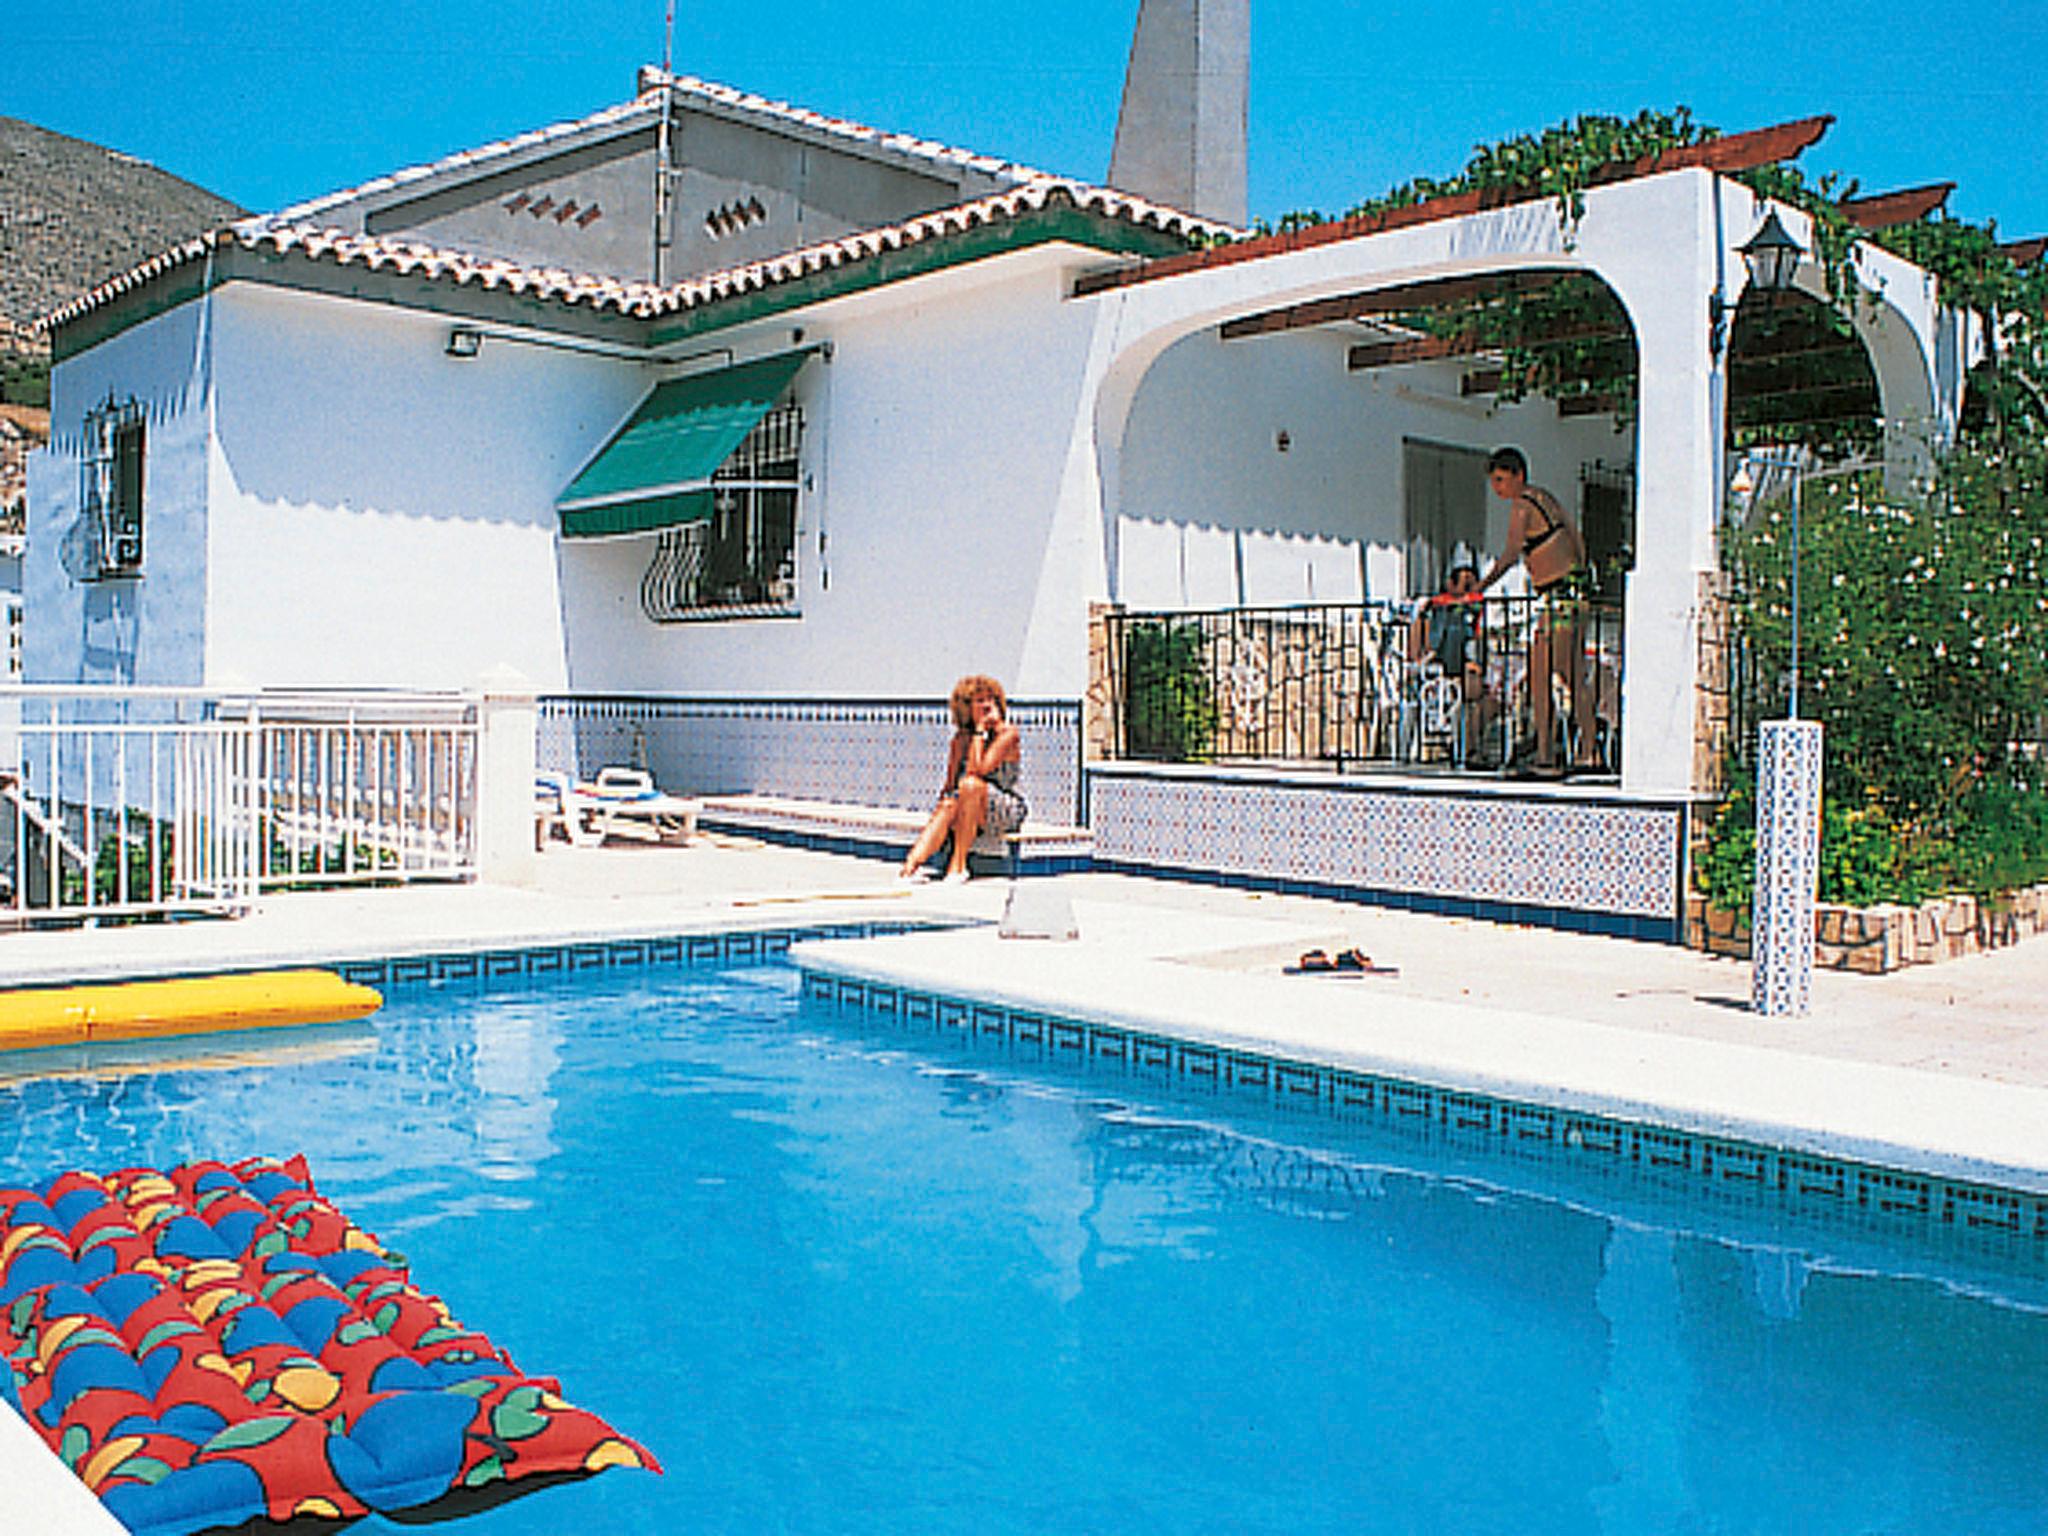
column 1942, row 1068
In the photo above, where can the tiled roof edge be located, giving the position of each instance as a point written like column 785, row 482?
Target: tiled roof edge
column 381, row 254
column 647, row 105
column 312, row 211
column 374, row 253
column 962, row 217
column 781, row 111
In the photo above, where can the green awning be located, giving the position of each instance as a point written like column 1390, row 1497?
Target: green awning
column 656, row 471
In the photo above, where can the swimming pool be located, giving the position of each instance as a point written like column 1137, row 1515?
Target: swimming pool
column 843, row 1279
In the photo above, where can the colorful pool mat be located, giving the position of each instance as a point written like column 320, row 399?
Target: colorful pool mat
column 216, row 1346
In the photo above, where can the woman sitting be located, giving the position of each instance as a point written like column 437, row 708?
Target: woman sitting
column 981, row 778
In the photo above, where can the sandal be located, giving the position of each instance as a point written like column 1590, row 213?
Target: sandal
column 1356, row 962
column 1312, row 963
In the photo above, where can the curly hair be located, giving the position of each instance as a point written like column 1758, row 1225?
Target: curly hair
column 964, row 692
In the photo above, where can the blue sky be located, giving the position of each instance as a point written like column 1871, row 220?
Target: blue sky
column 268, row 105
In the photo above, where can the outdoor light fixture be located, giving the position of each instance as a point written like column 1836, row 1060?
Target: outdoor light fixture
column 1772, row 256
column 465, row 342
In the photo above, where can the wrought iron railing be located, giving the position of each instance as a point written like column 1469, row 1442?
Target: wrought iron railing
column 1374, row 684
column 126, row 802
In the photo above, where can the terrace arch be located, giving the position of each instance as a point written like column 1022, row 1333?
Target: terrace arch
column 1667, row 247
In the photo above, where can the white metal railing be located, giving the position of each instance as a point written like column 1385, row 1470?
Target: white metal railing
column 134, row 801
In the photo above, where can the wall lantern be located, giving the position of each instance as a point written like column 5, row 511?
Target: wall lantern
column 1772, row 256
column 465, row 342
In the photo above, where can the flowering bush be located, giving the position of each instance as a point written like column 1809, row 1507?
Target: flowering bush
column 1924, row 651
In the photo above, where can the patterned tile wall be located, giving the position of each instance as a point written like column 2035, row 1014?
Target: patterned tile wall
column 862, row 752
column 1788, row 793
column 1616, row 858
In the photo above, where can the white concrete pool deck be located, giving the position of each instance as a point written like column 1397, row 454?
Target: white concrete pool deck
column 1939, row 1068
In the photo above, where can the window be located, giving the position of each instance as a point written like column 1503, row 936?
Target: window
column 740, row 562
column 1444, row 490
column 12, row 603
column 1607, row 519
column 110, row 491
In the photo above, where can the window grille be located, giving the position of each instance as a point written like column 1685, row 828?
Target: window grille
column 1607, row 522
column 741, row 561
column 111, row 488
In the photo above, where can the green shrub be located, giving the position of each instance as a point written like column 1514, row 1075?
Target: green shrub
column 1724, row 864
column 144, row 883
column 1865, row 857
column 1169, row 700
column 2003, row 842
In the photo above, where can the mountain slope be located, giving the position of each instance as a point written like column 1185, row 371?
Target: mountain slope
column 73, row 214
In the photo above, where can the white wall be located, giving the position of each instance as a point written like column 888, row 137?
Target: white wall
column 1203, row 484
column 383, row 513
column 938, row 446
column 149, row 629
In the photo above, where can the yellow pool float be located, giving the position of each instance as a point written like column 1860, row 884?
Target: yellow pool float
column 134, row 1010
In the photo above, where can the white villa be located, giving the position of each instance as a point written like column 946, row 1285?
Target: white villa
column 742, row 464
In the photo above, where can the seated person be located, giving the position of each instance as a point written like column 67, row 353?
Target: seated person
column 981, row 778
column 1447, row 627
column 1450, row 630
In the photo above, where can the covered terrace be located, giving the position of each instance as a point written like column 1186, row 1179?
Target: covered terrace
column 1290, row 437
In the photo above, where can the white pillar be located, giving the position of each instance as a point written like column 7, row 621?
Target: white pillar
column 1788, row 792
column 1666, row 284
column 507, row 737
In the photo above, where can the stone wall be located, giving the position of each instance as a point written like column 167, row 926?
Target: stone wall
column 1713, row 675
column 1098, row 706
column 1874, row 940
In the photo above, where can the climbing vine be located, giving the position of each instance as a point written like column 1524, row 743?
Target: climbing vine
column 1925, row 624
column 1563, row 161
column 1571, row 341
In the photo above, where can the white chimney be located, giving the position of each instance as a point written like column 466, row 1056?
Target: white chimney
column 1180, row 138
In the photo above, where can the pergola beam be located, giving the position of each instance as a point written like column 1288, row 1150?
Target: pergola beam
column 1398, row 299
column 1436, row 349
column 1884, row 210
column 1734, row 152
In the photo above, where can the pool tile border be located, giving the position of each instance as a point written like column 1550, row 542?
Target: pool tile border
column 1723, row 1170
column 516, row 962
column 1726, row 1172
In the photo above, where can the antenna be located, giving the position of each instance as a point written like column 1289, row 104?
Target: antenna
column 662, row 174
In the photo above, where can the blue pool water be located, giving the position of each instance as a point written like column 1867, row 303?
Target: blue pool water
column 840, row 1280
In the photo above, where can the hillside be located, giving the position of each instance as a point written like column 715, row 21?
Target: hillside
column 73, row 214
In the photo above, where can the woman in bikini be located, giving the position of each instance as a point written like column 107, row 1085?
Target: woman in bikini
column 1542, row 536
column 981, row 778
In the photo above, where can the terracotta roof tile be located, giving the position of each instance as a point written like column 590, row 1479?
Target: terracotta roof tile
column 646, row 107
column 901, row 143
column 306, row 229
column 314, row 210
column 868, row 244
column 381, row 254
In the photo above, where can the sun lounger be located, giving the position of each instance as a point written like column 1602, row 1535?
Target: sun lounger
column 559, row 806
column 627, row 798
